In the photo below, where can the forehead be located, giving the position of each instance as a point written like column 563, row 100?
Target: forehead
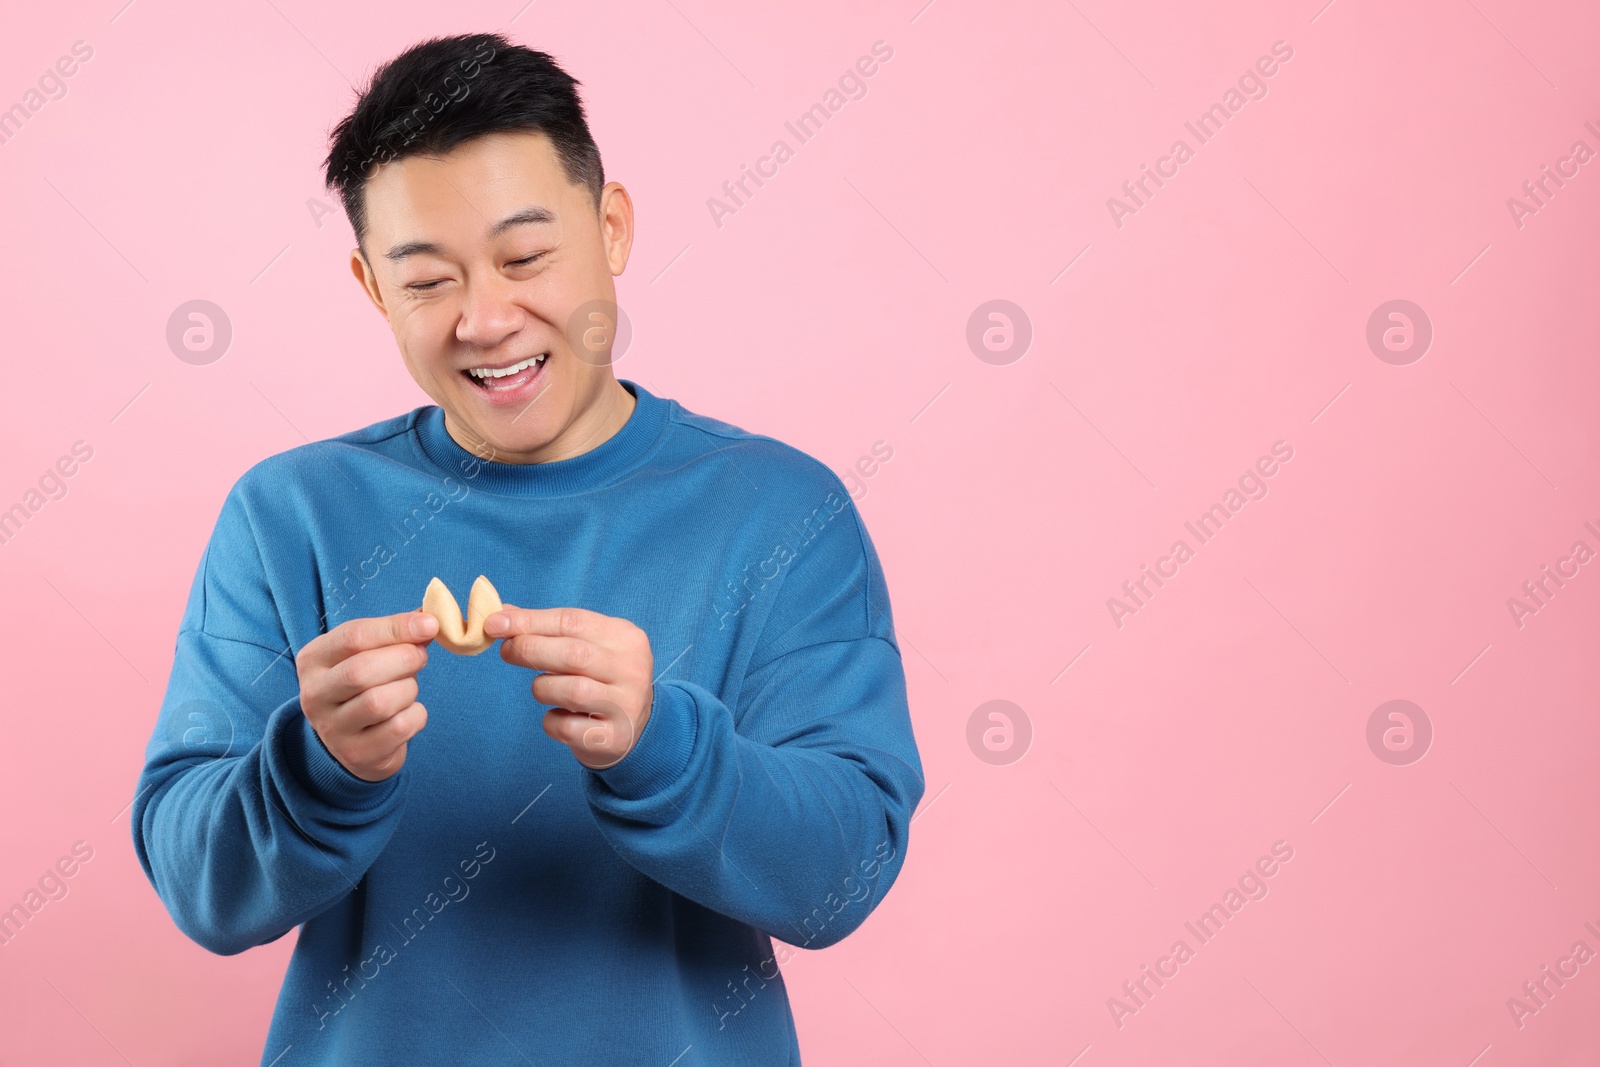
column 474, row 185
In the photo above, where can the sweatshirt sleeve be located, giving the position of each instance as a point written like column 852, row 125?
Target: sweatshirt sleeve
column 789, row 810
column 243, row 821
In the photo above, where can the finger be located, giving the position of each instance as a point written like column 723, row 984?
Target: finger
column 567, row 726
column 512, row 621
column 378, row 744
column 564, row 655
column 597, row 741
column 374, row 706
column 359, row 635
column 577, row 693
column 349, row 678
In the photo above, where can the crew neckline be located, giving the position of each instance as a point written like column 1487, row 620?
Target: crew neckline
column 598, row 467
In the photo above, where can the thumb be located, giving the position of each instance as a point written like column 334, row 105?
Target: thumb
column 504, row 612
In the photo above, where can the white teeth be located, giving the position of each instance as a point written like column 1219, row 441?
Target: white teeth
column 487, row 372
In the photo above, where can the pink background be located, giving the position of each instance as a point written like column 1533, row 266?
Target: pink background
column 831, row 311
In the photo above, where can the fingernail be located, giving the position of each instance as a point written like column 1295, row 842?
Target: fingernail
column 422, row 625
column 494, row 624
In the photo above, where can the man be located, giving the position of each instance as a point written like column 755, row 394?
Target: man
column 717, row 750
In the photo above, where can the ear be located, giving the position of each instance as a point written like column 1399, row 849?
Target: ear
column 616, row 225
column 367, row 280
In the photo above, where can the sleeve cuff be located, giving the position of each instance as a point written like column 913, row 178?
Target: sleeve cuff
column 325, row 777
column 662, row 752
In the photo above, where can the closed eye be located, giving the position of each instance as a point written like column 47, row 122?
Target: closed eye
column 422, row 287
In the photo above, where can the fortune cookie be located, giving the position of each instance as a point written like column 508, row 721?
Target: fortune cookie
column 466, row 639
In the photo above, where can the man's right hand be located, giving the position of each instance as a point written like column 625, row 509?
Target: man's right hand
column 358, row 689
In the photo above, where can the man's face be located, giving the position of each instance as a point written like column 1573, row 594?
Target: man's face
column 488, row 257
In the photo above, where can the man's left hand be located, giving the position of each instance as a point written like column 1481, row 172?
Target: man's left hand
column 597, row 675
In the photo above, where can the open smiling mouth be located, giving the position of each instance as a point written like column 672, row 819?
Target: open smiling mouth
column 504, row 382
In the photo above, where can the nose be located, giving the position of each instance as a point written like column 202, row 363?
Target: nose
column 489, row 312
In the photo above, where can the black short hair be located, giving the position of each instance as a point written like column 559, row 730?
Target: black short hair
column 446, row 90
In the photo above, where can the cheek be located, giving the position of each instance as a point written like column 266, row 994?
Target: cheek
column 424, row 360
column 424, row 329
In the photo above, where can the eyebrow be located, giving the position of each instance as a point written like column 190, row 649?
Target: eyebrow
column 528, row 215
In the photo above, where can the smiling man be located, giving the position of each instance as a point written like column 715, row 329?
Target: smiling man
column 695, row 738
column 482, row 302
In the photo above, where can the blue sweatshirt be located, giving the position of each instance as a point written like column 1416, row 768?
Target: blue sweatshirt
column 495, row 901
